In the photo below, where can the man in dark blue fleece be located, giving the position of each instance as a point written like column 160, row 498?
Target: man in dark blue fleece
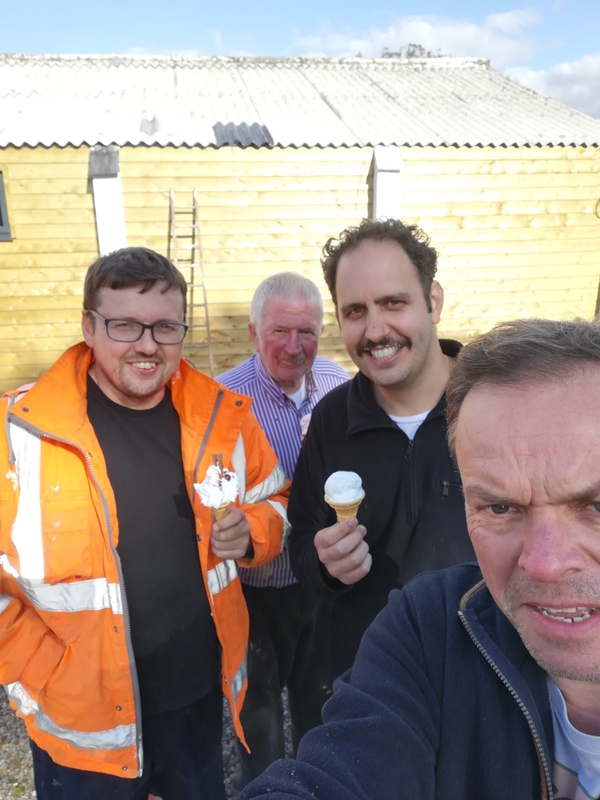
column 483, row 683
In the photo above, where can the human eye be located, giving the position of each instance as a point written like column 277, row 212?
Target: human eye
column 354, row 311
column 499, row 509
column 123, row 325
column 595, row 506
column 168, row 327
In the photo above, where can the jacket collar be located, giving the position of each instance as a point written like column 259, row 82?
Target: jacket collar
column 364, row 413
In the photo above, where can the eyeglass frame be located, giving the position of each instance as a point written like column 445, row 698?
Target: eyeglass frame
column 144, row 325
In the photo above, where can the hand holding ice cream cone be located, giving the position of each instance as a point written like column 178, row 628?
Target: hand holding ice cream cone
column 341, row 548
column 230, row 537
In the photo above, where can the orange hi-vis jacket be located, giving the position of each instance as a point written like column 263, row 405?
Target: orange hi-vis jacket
column 66, row 657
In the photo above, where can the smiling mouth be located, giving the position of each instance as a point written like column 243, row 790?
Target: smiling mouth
column 382, row 351
column 573, row 614
column 143, row 365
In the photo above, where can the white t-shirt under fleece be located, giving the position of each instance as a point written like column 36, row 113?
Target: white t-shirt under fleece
column 410, row 425
column 576, row 773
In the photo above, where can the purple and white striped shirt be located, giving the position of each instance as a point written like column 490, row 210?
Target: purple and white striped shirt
column 280, row 420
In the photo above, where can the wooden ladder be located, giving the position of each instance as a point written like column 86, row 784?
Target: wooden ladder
column 185, row 251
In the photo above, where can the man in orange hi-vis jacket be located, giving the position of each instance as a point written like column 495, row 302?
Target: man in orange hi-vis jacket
column 122, row 619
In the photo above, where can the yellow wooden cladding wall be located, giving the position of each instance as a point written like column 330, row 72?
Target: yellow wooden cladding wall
column 262, row 211
column 516, row 229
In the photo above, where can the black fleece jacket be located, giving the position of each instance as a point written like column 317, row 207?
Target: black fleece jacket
column 413, row 508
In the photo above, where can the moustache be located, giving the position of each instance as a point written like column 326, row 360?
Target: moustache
column 367, row 345
column 521, row 588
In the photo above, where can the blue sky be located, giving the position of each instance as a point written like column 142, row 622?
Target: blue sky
column 554, row 47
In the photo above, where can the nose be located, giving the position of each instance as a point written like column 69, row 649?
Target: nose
column 292, row 344
column 376, row 327
column 550, row 550
column 146, row 344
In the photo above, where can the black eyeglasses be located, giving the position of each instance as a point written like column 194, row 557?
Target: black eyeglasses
column 126, row 330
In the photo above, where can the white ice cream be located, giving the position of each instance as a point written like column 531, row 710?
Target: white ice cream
column 343, row 487
column 216, row 489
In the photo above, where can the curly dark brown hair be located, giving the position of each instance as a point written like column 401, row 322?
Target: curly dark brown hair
column 411, row 239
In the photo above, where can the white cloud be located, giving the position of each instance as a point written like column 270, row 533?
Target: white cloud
column 507, row 39
column 576, row 83
column 503, row 38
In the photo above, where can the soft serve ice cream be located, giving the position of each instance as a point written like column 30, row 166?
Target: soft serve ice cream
column 344, row 493
column 219, row 488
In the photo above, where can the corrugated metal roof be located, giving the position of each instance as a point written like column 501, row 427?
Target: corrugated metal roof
column 271, row 101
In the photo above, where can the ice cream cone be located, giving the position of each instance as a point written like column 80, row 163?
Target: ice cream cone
column 221, row 511
column 345, row 510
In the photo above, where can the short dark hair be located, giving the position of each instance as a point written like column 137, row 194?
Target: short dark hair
column 522, row 351
column 411, row 239
column 131, row 266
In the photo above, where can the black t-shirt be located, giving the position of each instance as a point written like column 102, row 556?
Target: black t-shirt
column 175, row 644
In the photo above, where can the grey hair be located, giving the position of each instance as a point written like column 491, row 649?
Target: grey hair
column 521, row 352
column 286, row 286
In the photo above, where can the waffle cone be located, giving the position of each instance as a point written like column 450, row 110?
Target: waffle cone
column 345, row 510
column 221, row 511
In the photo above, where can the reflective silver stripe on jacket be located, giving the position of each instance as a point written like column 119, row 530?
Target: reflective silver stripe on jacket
column 114, row 739
column 239, row 679
column 262, row 491
column 271, row 485
column 91, row 595
column 282, row 511
column 88, row 595
column 26, row 532
column 238, row 462
column 221, row 575
column 4, row 601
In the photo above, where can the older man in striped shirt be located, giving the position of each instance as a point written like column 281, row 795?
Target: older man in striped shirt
column 286, row 379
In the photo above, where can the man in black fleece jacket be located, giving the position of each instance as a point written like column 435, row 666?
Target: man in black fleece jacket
column 388, row 425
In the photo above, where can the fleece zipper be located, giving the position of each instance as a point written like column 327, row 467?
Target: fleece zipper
column 545, row 778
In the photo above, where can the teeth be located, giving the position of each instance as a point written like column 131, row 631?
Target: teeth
column 384, row 352
column 558, row 613
column 144, row 364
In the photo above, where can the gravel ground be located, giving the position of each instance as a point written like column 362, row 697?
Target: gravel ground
column 16, row 778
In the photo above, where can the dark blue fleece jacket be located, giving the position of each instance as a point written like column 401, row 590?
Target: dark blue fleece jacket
column 443, row 702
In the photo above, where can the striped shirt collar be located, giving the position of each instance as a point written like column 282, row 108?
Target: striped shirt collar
column 273, row 389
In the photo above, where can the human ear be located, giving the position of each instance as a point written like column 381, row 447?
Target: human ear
column 436, row 296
